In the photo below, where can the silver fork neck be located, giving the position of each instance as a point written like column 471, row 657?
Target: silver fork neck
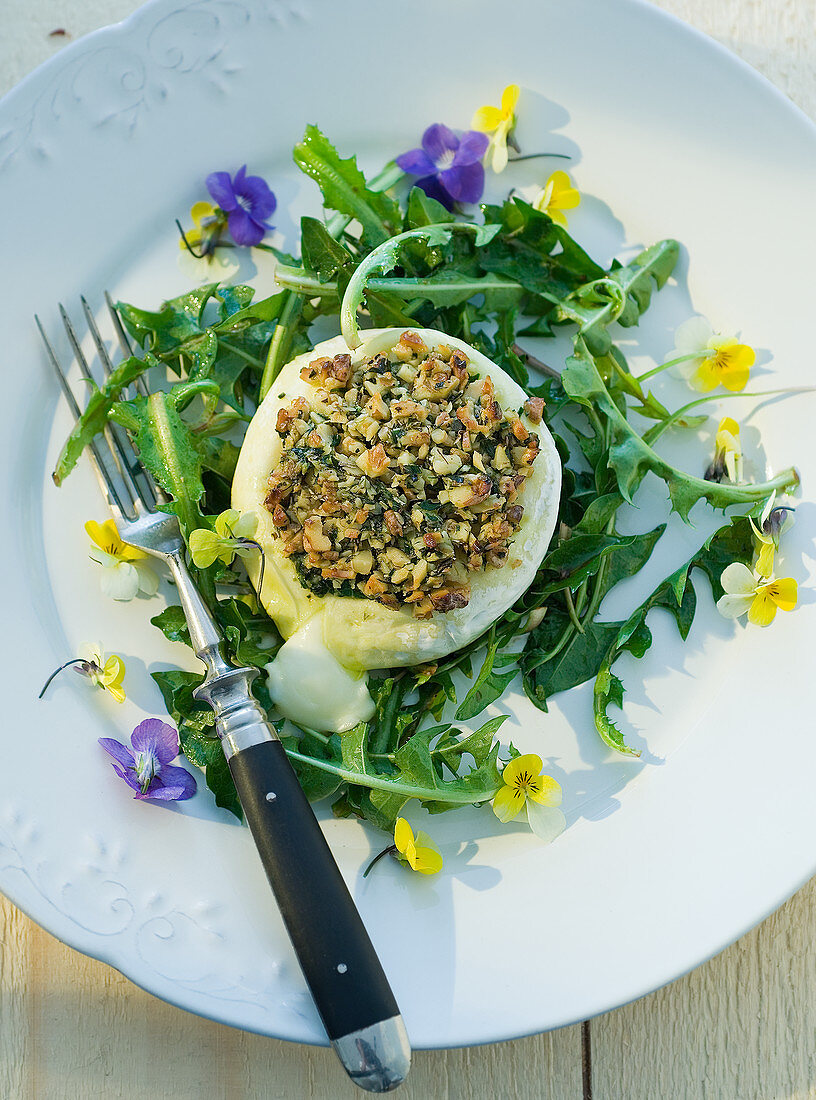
column 205, row 636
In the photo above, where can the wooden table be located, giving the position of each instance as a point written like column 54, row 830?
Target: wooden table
column 741, row 1027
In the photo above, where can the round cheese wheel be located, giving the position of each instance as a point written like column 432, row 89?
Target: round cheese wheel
column 359, row 632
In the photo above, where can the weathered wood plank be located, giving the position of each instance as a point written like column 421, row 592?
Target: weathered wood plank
column 72, row 1027
column 742, row 1027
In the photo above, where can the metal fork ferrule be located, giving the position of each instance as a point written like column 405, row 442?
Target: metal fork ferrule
column 239, row 720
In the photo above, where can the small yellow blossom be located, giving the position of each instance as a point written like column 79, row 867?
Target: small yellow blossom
column 710, row 359
column 746, row 592
column 104, row 672
column 524, row 787
column 207, row 228
column 125, row 569
column 498, row 121
column 772, row 524
column 727, row 452
column 558, row 194
column 420, row 852
column 232, row 533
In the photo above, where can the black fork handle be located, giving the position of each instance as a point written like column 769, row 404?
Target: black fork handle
column 339, row 963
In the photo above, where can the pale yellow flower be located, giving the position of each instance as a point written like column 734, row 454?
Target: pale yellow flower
column 727, row 452
column 125, row 569
column 711, row 359
column 767, row 533
column 524, row 787
column 499, row 122
column 204, row 221
column 419, row 853
column 232, row 531
column 104, row 672
column 747, row 593
column 557, row 195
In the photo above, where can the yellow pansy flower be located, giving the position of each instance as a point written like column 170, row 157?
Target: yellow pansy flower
column 524, row 787
column 747, row 593
column 558, row 194
column 708, row 359
column 767, row 533
column 103, row 672
column 420, row 852
column 125, row 569
column 207, row 228
column 498, row 121
column 233, row 531
column 727, row 452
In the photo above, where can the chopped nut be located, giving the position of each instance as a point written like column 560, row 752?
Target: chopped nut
column 393, row 522
column 314, row 541
column 285, row 416
column 534, row 407
column 363, row 561
column 448, row 599
column 374, row 462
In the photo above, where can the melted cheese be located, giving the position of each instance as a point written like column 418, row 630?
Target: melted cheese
column 310, row 686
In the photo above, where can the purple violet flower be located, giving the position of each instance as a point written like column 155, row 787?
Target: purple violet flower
column 450, row 168
column 247, row 200
column 146, row 767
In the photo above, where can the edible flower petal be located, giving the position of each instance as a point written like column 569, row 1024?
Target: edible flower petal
column 103, row 672
column 232, row 535
column 449, row 168
column 146, row 766
column 727, row 453
column 773, row 523
column 248, row 202
column 208, row 224
column 525, row 787
column 748, row 593
column 710, row 359
column 558, row 194
column 125, row 569
column 419, row 853
column 500, row 122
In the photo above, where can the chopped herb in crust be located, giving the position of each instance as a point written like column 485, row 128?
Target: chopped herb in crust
column 399, row 477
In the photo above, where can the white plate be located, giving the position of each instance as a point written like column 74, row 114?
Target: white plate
column 665, row 861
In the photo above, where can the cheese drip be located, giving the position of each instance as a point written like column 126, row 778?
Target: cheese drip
column 310, row 686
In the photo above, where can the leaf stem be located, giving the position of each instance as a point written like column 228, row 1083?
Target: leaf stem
column 57, row 671
column 657, row 430
column 537, row 364
column 576, row 622
column 672, row 363
column 394, row 786
column 281, row 343
column 536, row 156
column 382, row 259
column 385, row 852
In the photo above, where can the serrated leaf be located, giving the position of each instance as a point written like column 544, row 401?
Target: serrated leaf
column 344, row 186
column 631, row 458
column 732, row 542
column 95, row 416
column 322, row 254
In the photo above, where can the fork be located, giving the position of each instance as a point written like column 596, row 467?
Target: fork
column 339, row 963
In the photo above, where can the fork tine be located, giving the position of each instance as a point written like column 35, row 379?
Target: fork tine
column 124, row 342
column 118, row 453
column 109, row 488
column 149, row 495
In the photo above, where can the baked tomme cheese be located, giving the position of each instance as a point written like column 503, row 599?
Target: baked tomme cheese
column 405, row 494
